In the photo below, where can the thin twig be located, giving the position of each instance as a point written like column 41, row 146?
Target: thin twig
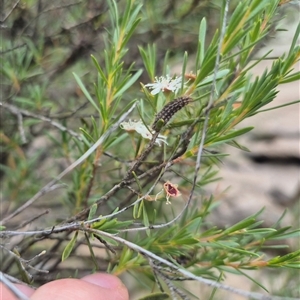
column 17, row 111
column 23, row 224
column 210, row 103
column 205, row 125
column 121, row 184
column 13, row 49
column 149, row 255
column 173, row 289
column 142, row 157
column 48, row 186
column 59, row 7
column 21, row 128
column 183, row 271
column 9, row 13
column 126, row 180
column 44, row 233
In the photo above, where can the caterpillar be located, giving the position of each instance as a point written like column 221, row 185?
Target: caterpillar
column 169, row 110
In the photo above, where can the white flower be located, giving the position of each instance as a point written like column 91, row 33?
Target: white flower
column 165, row 84
column 140, row 128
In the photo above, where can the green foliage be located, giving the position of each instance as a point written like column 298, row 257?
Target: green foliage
column 123, row 174
column 68, row 249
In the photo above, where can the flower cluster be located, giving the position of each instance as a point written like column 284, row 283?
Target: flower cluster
column 140, row 128
column 165, row 84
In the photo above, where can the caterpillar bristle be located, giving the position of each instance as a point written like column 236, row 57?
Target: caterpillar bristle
column 170, row 110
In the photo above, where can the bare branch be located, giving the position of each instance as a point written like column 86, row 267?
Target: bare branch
column 9, row 13
column 48, row 186
column 183, row 271
column 18, row 111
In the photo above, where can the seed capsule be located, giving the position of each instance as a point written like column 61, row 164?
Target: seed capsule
column 169, row 111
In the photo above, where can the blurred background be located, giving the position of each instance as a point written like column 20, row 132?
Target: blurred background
column 43, row 42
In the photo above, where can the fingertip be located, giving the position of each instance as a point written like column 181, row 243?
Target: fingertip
column 105, row 286
column 26, row 290
column 7, row 294
column 108, row 281
column 104, row 280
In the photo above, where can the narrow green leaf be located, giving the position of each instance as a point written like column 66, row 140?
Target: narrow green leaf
column 88, row 137
column 129, row 83
column 156, row 296
column 130, row 32
column 242, row 224
column 201, row 39
column 101, row 73
column 230, row 136
column 137, row 181
column 295, row 40
column 252, row 279
column 166, row 69
column 207, row 67
column 224, row 244
column 126, row 107
column 92, row 211
column 279, row 106
column 116, row 141
column 288, row 235
column 290, row 78
column 94, row 259
column 86, row 93
column 209, row 79
column 284, row 258
column 146, row 219
column 149, row 60
column 185, row 58
column 69, row 247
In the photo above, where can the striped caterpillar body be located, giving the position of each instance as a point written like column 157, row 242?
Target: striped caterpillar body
column 169, row 110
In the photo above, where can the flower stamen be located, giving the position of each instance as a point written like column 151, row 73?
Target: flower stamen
column 165, row 84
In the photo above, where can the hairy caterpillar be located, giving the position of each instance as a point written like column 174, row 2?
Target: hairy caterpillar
column 169, row 110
